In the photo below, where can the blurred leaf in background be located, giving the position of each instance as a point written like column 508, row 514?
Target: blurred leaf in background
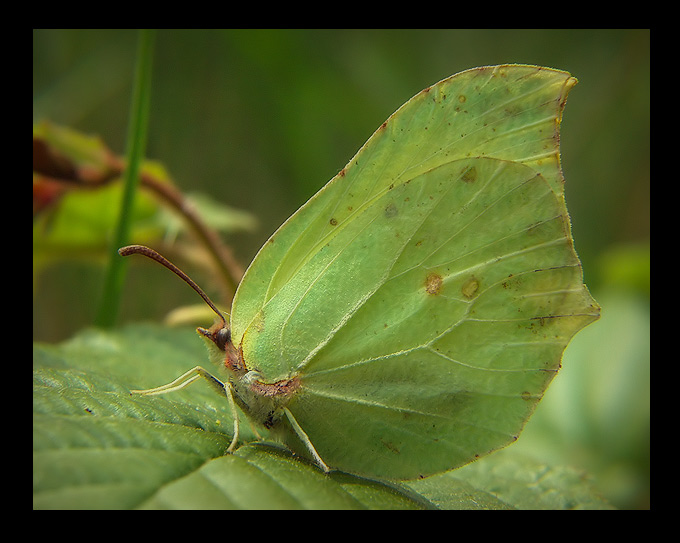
column 260, row 120
column 76, row 195
column 597, row 413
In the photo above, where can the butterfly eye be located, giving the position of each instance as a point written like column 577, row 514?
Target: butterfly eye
column 222, row 337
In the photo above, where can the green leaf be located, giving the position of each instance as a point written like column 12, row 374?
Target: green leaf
column 514, row 481
column 530, row 484
column 97, row 447
column 77, row 192
column 84, row 218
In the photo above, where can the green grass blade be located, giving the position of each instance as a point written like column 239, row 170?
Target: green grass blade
column 136, row 144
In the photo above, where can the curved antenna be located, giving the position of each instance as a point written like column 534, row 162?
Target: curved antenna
column 153, row 255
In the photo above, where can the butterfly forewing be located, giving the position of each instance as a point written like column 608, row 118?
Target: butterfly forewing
column 425, row 295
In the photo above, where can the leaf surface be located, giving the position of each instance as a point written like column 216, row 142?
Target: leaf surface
column 97, row 447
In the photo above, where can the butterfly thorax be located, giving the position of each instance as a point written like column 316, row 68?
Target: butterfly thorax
column 261, row 401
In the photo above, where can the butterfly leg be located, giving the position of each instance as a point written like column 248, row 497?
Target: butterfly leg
column 225, row 389
column 184, row 380
column 305, row 439
column 229, row 390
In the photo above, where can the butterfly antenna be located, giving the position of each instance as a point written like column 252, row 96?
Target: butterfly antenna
column 153, row 255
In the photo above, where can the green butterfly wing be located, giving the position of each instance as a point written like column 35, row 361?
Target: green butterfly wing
column 425, row 295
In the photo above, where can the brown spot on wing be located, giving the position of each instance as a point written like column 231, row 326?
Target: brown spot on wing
column 433, row 284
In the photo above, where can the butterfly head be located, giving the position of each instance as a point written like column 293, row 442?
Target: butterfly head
column 220, row 347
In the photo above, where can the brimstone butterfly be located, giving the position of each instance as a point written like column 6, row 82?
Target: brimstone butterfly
column 407, row 319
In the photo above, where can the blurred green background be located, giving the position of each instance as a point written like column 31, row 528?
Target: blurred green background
column 261, row 120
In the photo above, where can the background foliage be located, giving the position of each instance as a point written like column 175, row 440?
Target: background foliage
column 260, row 120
